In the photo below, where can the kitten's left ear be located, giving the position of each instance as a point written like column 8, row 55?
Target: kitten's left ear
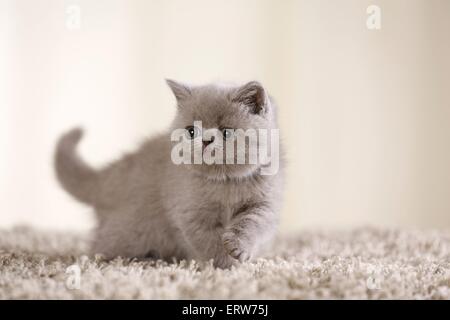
column 181, row 91
column 253, row 96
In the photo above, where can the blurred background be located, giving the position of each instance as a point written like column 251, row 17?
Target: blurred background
column 364, row 104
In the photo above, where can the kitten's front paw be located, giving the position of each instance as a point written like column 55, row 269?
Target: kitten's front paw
column 223, row 261
column 234, row 247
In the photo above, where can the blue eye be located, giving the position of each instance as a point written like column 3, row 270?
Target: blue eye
column 192, row 132
column 227, row 133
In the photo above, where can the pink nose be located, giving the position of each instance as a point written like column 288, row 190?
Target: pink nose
column 206, row 143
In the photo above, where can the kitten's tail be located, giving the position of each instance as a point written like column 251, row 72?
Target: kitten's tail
column 76, row 177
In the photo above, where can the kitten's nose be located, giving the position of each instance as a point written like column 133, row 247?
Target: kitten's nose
column 206, row 143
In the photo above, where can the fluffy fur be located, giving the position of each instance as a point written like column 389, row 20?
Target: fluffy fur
column 147, row 206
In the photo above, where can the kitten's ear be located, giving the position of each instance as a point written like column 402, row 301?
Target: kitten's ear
column 181, row 91
column 253, row 96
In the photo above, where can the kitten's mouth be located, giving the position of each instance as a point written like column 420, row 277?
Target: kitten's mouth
column 211, row 152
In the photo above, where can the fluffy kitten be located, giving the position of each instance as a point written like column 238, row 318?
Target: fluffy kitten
column 148, row 206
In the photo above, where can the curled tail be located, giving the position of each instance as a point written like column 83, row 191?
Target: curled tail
column 76, row 177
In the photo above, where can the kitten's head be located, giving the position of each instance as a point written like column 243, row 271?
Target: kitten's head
column 221, row 127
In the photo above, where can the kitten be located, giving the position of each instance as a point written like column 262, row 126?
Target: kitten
column 148, row 206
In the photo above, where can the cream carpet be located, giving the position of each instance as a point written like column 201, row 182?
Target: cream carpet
column 365, row 263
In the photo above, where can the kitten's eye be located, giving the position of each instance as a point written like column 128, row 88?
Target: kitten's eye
column 192, row 132
column 227, row 133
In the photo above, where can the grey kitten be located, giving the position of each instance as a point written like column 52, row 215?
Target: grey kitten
column 147, row 205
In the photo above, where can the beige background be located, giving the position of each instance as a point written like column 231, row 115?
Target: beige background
column 364, row 114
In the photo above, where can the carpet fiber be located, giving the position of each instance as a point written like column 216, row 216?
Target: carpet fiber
column 365, row 263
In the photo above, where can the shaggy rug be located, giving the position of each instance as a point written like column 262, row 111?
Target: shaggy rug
column 366, row 263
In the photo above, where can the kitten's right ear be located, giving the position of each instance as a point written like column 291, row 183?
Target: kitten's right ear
column 253, row 96
column 181, row 91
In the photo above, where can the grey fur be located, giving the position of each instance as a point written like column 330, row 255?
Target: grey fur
column 147, row 205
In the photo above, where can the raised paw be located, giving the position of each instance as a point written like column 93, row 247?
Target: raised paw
column 234, row 247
